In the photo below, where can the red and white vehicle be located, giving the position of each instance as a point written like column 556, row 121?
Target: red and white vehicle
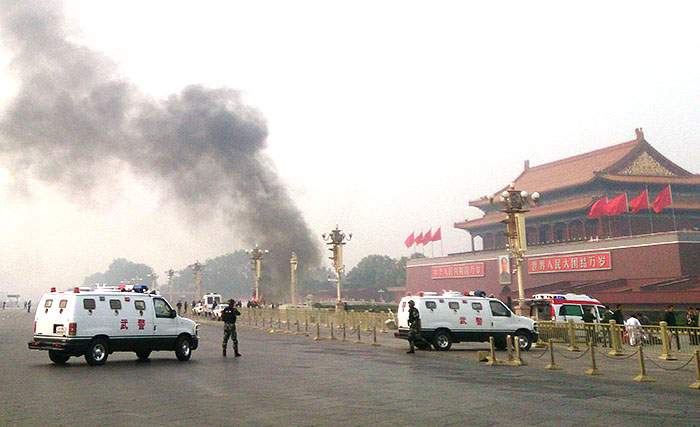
column 565, row 307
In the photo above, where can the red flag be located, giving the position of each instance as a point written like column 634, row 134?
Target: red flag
column 428, row 237
column 419, row 239
column 662, row 200
column 410, row 240
column 617, row 206
column 640, row 202
column 437, row 235
column 599, row 208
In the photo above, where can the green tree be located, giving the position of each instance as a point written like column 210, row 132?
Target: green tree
column 120, row 270
column 376, row 271
column 228, row 275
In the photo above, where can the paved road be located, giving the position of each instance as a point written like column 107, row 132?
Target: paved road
column 291, row 380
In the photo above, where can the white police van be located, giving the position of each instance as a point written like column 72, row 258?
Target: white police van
column 96, row 323
column 452, row 317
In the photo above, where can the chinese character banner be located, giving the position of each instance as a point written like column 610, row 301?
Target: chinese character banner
column 591, row 261
column 457, row 271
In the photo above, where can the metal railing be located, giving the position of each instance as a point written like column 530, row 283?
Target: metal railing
column 677, row 339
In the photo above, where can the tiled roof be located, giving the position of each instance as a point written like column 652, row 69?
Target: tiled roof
column 491, row 218
column 682, row 180
column 570, row 171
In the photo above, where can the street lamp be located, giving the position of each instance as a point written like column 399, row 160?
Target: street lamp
column 293, row 262
column 154, row 280
column 197, row 270
column 256, row 256
column 336, row 239
column 515, row 204
column 170, row 273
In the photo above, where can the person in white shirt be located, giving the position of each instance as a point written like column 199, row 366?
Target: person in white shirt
column 634, row 330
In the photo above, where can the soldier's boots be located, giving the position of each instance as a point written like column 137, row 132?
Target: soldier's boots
column 235, row 351
column 224, row 352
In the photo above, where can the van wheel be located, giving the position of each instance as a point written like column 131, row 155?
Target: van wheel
column 57, row 357
column 183, row 349
column 143, row 355
column 97, row 352
column 442, row 341
column 524, row 340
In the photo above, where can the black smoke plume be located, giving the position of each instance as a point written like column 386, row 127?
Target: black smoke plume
column 73, row 114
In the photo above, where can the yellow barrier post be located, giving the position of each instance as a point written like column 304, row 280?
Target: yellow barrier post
column 665, row 343
column 551, row 366
column 318, row 331
column 509, row 349
column 593, row 370
column 696, row 384
column 344, row 331
column 296, row 322
column 272, row 323
column 367, row 320
column 332, row 332
column 572, row 336
column 374, row 336
column 492, row 353
column 306, row 324
column 642, row 377
column 518, row 361
column 359, row 335
column 615, row 341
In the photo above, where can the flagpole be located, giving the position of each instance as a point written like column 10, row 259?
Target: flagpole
column 651, row 217
column 629, row 217
column 673, row 210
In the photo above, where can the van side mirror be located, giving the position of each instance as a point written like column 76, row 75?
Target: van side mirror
column 173, row 313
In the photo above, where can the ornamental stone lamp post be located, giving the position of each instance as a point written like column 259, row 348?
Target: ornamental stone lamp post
column 515, row 203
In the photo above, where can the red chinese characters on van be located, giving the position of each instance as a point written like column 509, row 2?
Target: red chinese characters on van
column 455, row 271
column 590, row 261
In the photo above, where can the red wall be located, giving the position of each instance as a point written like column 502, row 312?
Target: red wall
column 639, row 263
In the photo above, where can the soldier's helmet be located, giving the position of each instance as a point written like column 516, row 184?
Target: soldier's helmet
column 231, row 301
column 411, row 303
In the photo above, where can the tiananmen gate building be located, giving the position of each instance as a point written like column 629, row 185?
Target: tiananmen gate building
column 642, row 259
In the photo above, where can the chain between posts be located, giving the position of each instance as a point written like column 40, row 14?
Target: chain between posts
column 669, row 369
column 572, row 358
column 541, row 355
column 617, row 357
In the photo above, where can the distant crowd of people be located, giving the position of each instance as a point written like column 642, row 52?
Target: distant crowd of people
column 635, row 322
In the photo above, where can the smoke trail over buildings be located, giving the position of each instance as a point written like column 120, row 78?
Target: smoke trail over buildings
column 73, row 114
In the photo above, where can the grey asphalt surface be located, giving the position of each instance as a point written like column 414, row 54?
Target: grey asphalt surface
column 292, row 380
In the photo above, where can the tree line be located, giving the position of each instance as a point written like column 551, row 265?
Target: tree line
column 231, row 275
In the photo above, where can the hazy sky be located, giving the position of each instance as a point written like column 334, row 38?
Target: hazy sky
column 384, row 117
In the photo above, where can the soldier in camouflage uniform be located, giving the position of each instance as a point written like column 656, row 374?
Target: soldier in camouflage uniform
column 229, row 315
column 414, row 328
